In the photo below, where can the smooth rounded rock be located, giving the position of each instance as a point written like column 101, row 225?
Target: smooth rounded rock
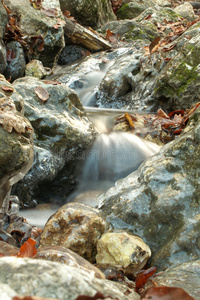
column 124, row 250
column 75, row 226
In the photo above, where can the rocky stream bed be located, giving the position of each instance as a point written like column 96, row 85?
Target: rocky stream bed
column 100, row 124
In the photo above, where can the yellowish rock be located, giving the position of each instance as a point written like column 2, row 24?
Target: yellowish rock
column 124, row 250
column 75, row 226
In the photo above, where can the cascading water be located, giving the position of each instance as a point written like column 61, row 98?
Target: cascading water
column 113, row 155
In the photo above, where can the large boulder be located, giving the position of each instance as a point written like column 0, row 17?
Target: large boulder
column 160, row 201
column 39, row 24
column 185, row 276
column 43, row 278
column 92, row 13
column 131, row 9
column 16, row 145
column 62, row 132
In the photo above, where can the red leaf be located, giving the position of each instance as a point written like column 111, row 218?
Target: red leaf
column 28, row 249
column 142, row 278
column 42, row 93
column 165, row 293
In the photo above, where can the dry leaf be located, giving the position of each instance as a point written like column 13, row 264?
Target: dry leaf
column 42, row 93
column 165, row 293
column 7, row 89
column 111, row 37
column 51, row 82
column 28, row 249
column 154, row 44
column 49, row 11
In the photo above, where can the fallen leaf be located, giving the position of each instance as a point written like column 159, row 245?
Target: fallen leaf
column 111, row 37
column 7, row 89
column 161, row 113
column 165, row 293
column 142, row 277
column 154, row 43
column 32, row 298
column 49, row 11
column 51, row 82
column 98, row 295
column 28, row 249
column 42, row 93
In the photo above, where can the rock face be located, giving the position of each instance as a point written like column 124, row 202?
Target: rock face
column 160, row 201
column 131, row 9
column 36, row 23
column 68, row 257
column 62, row 131
column 3, row 21
column 16, row 147
column 75, row 226
column 55, row 280
column 123, row 250
column 186, row 276
column 16, row 66
column 89, row 13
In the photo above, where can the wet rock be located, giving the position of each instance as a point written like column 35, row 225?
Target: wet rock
column 62, row 132
column 55, row 280
column 16, row 148
column 68, row 257
column 89, row 13
column 75, row 226
column 124, row 250
column 131, row 9
column 186, row 276
column 35, row 23
column 16, row 65
column 36, row 69
column 186, row 11
column 160, row 201
column 71, row 53
column 3, row 58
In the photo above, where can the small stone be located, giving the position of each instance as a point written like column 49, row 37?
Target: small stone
column 36, row 69
column 122, row 249
column 75, row 226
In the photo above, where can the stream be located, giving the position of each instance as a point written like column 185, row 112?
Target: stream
column 113, row 155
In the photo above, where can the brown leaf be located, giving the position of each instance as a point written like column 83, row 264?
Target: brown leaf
column 154, row 43
column 28, row 249
column 98, row 295
column 165, row 293
column 7, row 89
column 51, row 82
column 42, row 93
column 162, row 114
column 32, row 298
column 111, row 37
column 142, row 277
column 49, row 11
column 129, row 119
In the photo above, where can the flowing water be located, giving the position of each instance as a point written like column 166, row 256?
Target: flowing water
column 112, row 156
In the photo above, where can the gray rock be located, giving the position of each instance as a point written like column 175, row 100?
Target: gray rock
column 16, row 148
column 54, row 280
column 3, row 58
column 7, row 293
column 186, row 11
column 3, row 19
column 131, row 9
column 160, row 201
column 62, row 132
column 16, row 66
column 35, row 23
column 92, row 13
column 186, row 276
